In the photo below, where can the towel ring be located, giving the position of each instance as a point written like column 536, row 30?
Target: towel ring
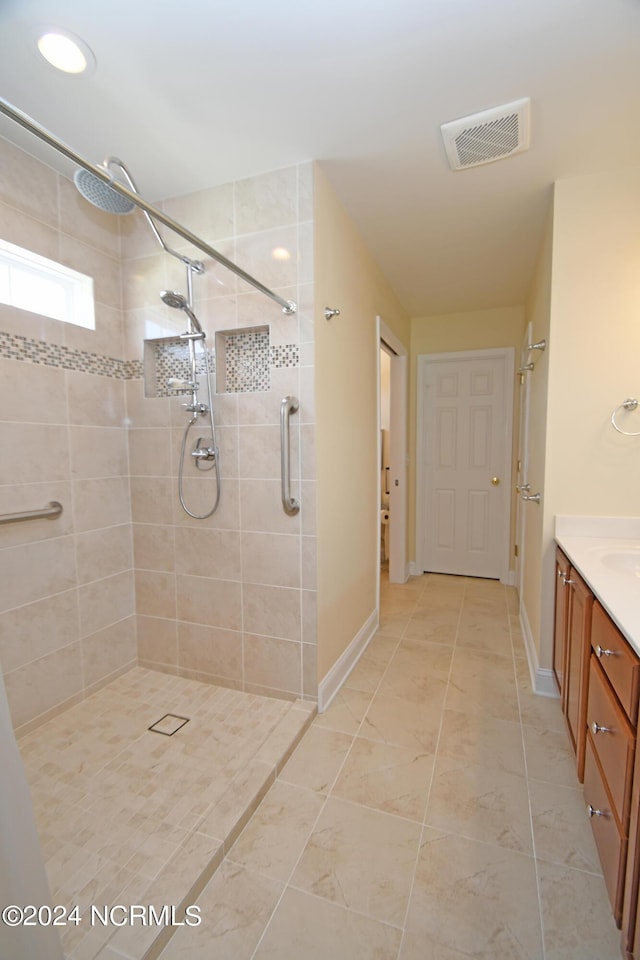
column 629, row 404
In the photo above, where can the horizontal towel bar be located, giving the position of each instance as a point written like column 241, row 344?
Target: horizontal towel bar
column 52, row 509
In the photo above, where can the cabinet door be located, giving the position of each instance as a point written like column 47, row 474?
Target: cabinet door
column 611, row 843
column 577, row 665
column 560, row 630
column 630, row 926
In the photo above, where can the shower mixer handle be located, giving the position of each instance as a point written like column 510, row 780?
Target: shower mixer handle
column 203, row 453
column 200, row 408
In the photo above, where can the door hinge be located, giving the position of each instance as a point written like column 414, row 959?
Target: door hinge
column 515, row 550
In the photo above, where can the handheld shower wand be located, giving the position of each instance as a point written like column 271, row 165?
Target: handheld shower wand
column 202, row 454
column 178, row 302
column 195, row 332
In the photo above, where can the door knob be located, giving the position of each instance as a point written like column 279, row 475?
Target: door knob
column 495, row 481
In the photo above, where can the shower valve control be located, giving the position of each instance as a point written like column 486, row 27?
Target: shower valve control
column 201, row 408
column 202, row 452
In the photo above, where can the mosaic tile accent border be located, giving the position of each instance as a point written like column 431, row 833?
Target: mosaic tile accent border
column 285, row 355
column 250, row 373
column 16, row 347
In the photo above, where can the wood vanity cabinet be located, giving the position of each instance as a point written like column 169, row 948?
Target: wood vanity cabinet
column 574, row 601
column 610, row 750
column 561, row 621
column 631, row 907
column 612, row 780
column 599, row 679
column 612, row 713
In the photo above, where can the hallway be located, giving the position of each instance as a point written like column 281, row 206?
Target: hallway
column 432, row 813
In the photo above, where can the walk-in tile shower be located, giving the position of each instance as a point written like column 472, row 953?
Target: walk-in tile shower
column 124, row 587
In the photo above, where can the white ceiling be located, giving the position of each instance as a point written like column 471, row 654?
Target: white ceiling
column 202, row 92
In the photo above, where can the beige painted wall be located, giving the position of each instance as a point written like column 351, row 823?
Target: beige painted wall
column 346, row 277
column 594, row 346
column 447, row 333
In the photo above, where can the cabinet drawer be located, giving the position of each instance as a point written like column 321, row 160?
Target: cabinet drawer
column 612, row 739
column 617, row 659
column 611, row 844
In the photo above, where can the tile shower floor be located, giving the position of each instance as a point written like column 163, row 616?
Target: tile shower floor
column 432, row 813
column 128, row 816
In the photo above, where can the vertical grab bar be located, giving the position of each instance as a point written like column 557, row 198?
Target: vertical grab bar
column 289, row 504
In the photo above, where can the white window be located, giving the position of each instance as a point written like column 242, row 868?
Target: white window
column 31, row 282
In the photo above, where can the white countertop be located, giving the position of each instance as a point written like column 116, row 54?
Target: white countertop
column 606, row 552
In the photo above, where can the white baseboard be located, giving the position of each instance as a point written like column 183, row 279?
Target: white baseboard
column 546, row 684
column 414, row 570
column 408, row 572
column 331, row 683
column 542, row 679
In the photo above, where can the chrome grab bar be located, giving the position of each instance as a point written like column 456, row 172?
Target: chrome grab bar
column 53, row 509
column 289, row 504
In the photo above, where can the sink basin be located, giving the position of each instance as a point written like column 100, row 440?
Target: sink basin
column 623, row 561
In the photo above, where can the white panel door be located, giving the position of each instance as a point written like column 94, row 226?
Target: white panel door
column 465, row 481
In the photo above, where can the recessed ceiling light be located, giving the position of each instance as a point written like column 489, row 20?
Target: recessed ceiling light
column 64, row 51
column 280, row 253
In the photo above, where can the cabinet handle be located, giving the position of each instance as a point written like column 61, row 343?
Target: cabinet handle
column 596, row 728
column 602, row 652
column 569, row 583
column 593, row 812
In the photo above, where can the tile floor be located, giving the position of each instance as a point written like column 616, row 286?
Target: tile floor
column 128, row 816
column 431, row 813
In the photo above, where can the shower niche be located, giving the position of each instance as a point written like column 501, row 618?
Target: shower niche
column 240, row 363
column 167, row 366
column 243, row 360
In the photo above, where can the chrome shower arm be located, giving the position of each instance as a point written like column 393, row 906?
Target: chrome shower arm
column 98, row 171
column 196, row 265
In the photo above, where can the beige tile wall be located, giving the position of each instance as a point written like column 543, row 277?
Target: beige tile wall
column 230, row 599
column 66, row 590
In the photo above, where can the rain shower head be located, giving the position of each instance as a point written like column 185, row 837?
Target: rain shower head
column 178, row 302
column 100, row 194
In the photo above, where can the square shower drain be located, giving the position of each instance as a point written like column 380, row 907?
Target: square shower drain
column 169, row 724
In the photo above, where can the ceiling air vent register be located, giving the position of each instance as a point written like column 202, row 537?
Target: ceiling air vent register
column 487, row 136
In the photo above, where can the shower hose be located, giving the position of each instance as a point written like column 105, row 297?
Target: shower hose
column 214, row 447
